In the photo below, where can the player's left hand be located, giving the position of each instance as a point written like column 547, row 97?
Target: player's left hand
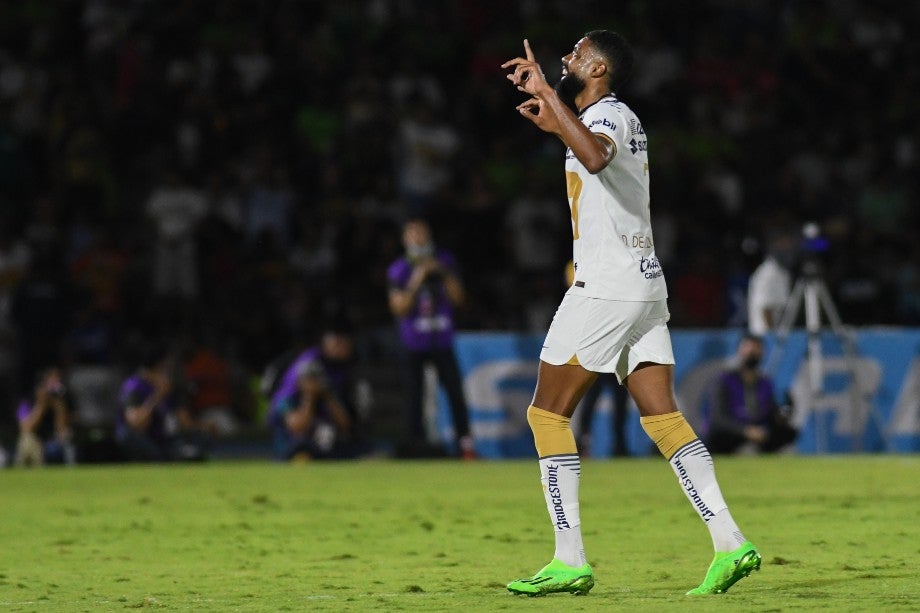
column 527, row 75
column 537, row 111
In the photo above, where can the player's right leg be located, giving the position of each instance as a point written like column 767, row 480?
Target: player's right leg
column 559, row 388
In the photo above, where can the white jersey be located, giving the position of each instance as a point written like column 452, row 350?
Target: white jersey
column 613, row 249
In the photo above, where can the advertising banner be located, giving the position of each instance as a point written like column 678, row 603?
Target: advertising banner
column 868, row 401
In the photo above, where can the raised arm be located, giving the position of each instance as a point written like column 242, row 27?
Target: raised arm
column 549, row 113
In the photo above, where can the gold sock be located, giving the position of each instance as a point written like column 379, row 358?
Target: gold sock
column 552, row 433
column 669, row 431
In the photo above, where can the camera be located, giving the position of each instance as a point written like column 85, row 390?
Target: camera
column 812, row 246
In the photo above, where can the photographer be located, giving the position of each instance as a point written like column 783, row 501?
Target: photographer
column 312, row 422
column 744, row 410
column 153, row 423
column 44, row 424
column 424, row 291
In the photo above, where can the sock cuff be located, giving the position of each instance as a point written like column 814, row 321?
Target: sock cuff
column 552, row 433
column 669, row 432
column 548, row 417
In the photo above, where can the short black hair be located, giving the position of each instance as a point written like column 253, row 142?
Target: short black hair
column 618, row 53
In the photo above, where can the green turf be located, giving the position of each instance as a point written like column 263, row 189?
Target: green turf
column 837, row 534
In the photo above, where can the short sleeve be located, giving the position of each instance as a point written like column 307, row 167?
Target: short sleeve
column 602, row 118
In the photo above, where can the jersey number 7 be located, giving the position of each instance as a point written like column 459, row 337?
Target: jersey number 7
column 573, row 189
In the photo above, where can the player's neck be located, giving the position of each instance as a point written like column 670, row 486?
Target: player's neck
column 589, row 96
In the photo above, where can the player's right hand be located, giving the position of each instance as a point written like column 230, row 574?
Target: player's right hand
column 527, row 75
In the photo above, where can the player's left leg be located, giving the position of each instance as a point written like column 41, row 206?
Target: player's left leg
column 651, row 386
column 559, row 388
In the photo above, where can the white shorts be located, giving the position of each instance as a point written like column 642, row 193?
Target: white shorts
column 608, row 335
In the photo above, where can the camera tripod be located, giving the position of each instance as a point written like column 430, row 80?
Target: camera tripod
column 811, row 291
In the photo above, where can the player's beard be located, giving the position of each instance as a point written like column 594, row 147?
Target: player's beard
column 568, row 87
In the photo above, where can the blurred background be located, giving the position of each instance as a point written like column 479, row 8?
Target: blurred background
column 281, row 144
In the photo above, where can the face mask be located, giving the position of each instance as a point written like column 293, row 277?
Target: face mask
column 751, row 362
column 420, row 252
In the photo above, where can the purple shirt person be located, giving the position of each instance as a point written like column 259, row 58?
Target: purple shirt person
column 424, row 291
column 139, row 392
column 428, row 322
column 315, row 390
column 44, row 424
column 287, row 385
column 152, row 424
column 744, row 410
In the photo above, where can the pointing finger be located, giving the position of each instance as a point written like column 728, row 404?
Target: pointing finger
column 527, row 50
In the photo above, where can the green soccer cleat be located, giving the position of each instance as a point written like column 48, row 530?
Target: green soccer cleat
column 556, row 577
column 727, row 569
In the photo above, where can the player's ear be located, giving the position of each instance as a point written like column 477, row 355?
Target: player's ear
column 599, row 69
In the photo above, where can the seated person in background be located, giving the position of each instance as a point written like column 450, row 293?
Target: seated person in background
column 744, row 412
column 312, row 422
column 153, row 425
column 44, row 424
column 335, row 352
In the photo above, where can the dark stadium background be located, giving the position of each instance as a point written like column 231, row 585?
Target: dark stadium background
column 759, row 115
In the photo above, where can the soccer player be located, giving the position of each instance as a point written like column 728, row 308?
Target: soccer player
column 614, row 316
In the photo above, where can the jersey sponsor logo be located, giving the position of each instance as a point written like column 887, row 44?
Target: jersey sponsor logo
column 636, row 146
column 692, row 494
column 650, row 267
column 555, row 494
column 603, row 121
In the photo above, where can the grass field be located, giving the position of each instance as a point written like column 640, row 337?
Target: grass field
column 837, row 534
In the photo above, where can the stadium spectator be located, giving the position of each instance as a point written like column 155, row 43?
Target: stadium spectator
column 425, row 290
column 42, row 311
column 176, row 210
column 744, row 414
column 428, row 145
column 45, row 434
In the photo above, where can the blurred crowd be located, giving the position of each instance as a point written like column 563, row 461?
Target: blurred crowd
column 227, row 174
